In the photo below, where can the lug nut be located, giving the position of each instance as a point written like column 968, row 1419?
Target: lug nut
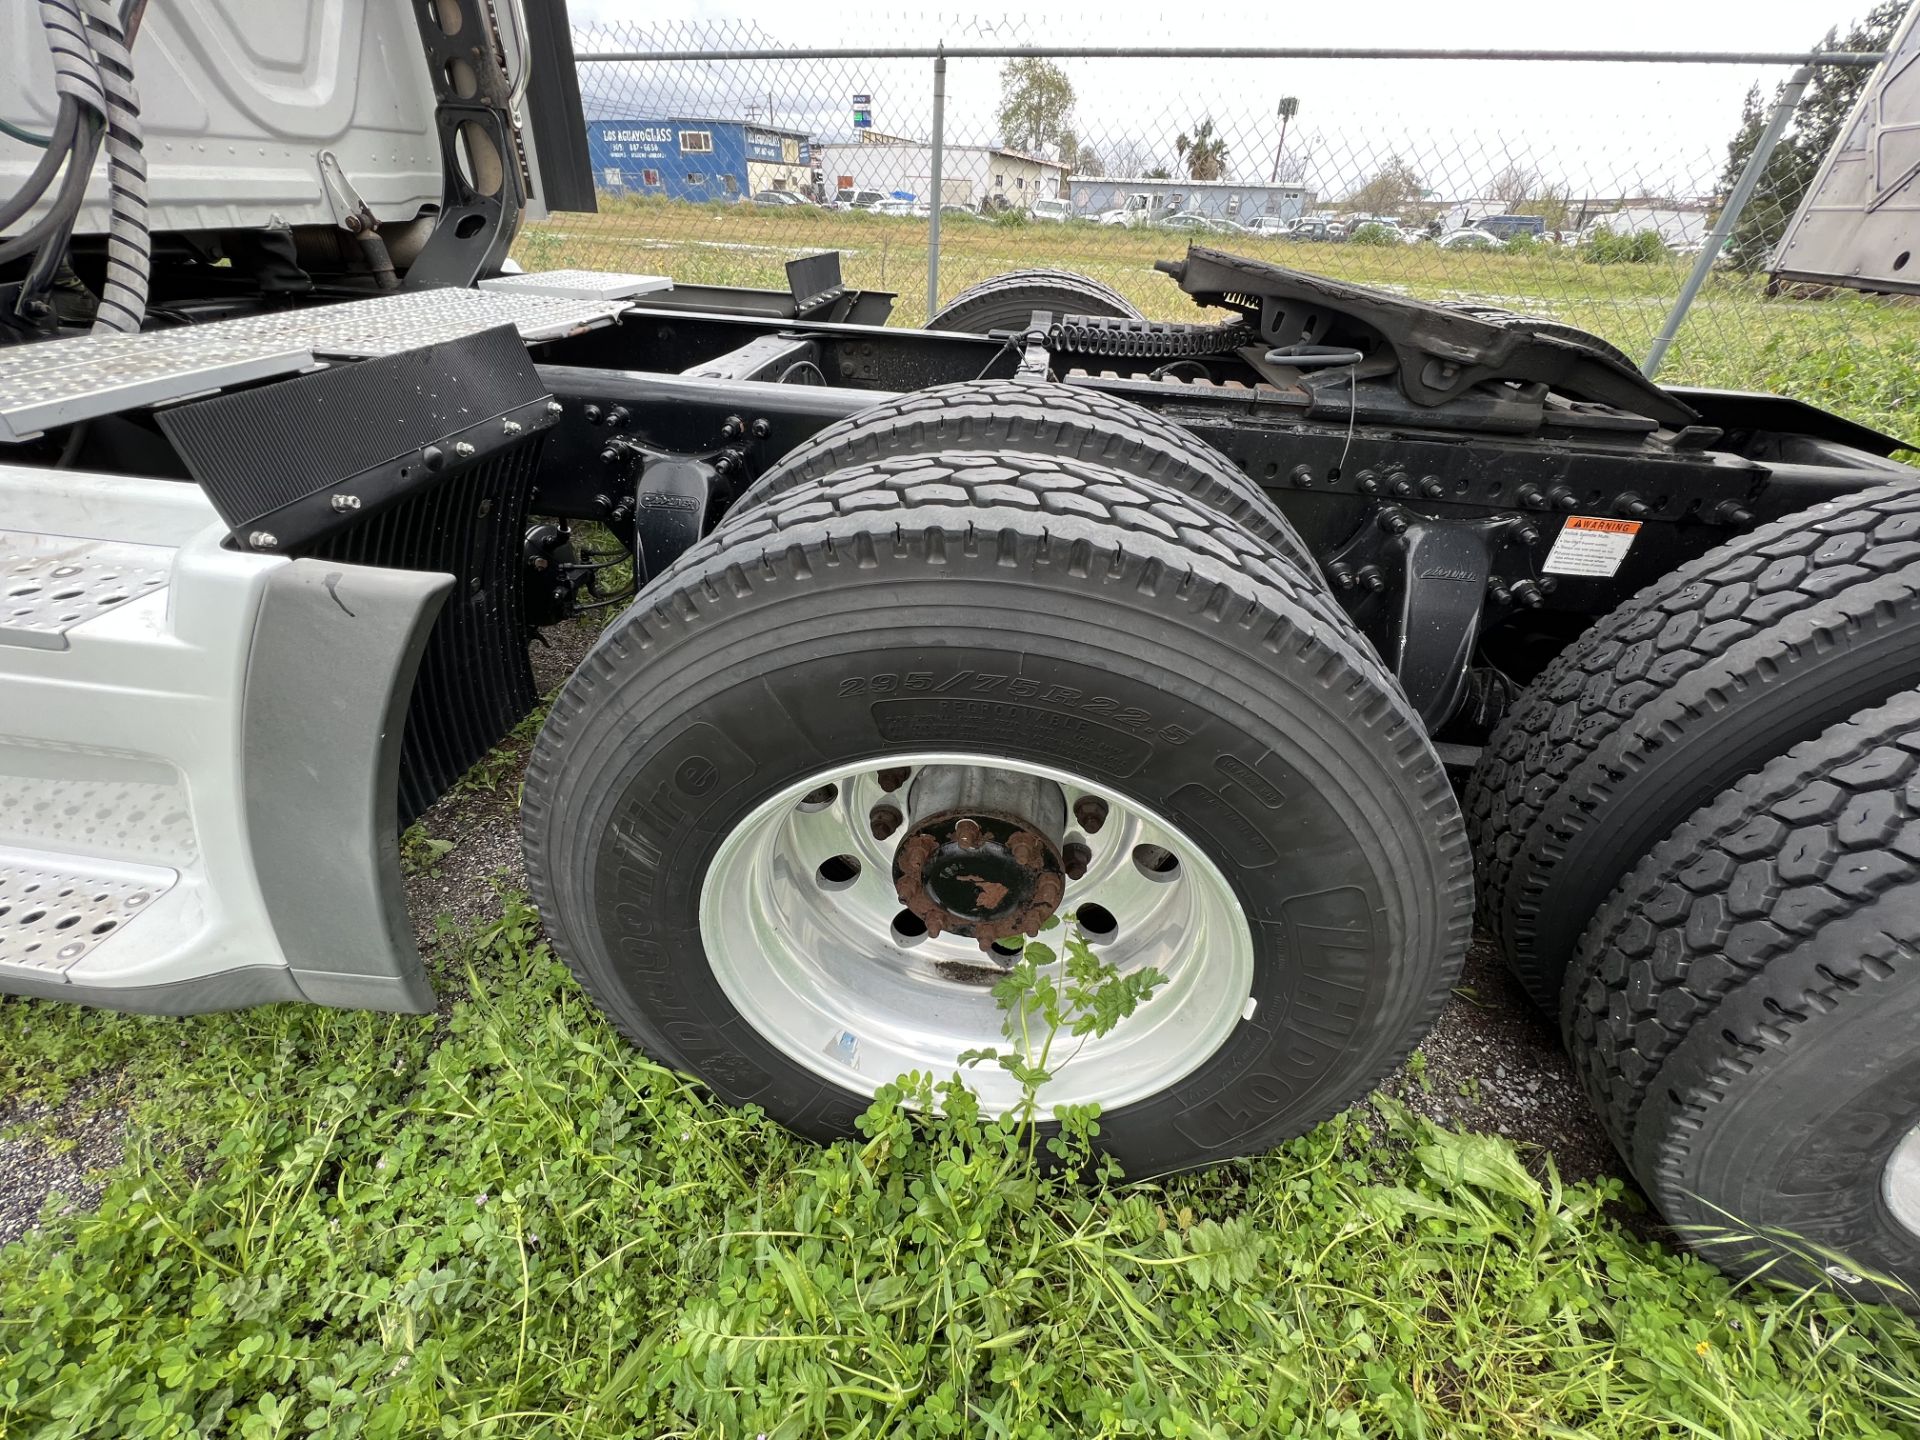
column 1371, row 577
column 556, row 409
column 762, row 428
column 1394, row 523
column 732, row 428
column 463, row 448
column 1074, row 859
column 892, row 779
column 884, row 820
column 1342, row 576
column 966, row 834
column 1432, row 488
column 1091, row 813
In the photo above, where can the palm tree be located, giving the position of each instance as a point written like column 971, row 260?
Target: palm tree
column 1204, row 152
column 1289, row 107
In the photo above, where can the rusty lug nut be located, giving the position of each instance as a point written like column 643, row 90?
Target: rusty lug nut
column 966, row 834
column 1091, row 813
column 1074, row 859
column 892, row 779
column 885, row 819
column 1024, row 846
column 1047, row 893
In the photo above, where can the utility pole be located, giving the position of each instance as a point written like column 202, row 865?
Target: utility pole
column 1289, row 107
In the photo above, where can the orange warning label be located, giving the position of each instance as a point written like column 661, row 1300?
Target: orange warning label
column 1590, row 545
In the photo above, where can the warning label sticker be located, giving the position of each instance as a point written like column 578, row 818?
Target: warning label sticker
column 1589, row 545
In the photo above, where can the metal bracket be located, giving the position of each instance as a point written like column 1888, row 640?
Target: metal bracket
column 1419, row 586
column 355, row 216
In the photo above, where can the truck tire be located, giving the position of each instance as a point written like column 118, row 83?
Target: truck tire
column 1698, row 680
column 1742, row 1011
column 1278, row 836
column 1007, row 302
column 1037, row 417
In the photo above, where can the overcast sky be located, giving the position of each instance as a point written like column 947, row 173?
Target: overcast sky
column 1596, row 128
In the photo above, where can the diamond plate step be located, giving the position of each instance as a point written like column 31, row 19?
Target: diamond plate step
column 51, row 583
column 579, row 284
column 57, row 910
column 60, row 382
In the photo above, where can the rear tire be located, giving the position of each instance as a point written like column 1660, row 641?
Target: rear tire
column 1698, row 680
column 1007, row 302
column 1001, row 417
column 1107, row 632
column 1742, row 1012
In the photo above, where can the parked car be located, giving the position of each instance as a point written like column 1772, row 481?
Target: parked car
column 1185, row 220
column 1377, row 232
column 1471, row 239
column 1505, row 227
column 780, row 197
column 856, row 199
column 1316, row 228
column 1269, row 225
column 1057, row 211
column 895, row 206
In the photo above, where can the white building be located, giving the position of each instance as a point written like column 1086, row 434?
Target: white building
column 1679, row 228
column 970, row 175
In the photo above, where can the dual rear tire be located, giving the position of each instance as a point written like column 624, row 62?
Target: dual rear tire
column 1697, row 840
column 1274, row 833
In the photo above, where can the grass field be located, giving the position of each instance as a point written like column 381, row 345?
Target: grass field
column 499, row 1221
column 1858, row 356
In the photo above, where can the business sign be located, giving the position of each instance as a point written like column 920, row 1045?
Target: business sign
column 863, row 112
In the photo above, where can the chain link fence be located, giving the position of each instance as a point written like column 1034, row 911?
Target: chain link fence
column 1583, row 191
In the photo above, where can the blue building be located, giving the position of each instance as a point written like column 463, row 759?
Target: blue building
column 697, row 158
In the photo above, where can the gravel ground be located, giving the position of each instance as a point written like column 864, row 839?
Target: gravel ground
column 1491, row 1064
column 57, row 1150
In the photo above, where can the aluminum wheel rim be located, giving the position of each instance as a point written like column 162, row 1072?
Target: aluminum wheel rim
column 1900, row 1181
column 816, row 967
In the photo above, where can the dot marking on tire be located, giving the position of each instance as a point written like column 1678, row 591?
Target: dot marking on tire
column 1246, row 1011
column 845, row 1047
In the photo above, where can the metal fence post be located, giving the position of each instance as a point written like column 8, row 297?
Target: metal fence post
column 933, row 200
column 1730, row 216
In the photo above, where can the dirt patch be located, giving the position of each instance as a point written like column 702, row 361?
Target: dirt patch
column 57, row 1150
column 1494, row 1064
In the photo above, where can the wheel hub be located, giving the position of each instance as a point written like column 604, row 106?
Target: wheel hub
column 980, row 875
column 983, row 856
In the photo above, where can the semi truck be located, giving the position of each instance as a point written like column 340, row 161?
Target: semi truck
column 1272, row 648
